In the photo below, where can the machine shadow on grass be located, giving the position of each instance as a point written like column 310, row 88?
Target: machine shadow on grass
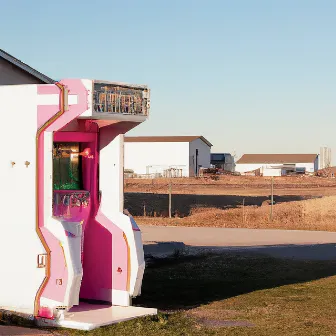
column 157, row 204
column 186, row 281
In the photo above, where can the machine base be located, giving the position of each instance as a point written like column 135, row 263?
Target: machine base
column 90, row 316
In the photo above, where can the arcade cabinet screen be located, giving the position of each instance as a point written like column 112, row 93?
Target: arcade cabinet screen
column 67, row 166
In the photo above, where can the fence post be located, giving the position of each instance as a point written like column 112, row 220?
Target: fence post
column 272, row 198
column 170, row 197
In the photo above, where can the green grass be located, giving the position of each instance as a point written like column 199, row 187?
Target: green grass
column 279, row 297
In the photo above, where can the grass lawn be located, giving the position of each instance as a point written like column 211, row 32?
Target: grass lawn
column 198, row 295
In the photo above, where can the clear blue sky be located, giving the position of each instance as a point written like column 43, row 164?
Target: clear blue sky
column 250, row 75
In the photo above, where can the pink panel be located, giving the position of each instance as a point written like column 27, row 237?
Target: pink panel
column 48, row 89
column 74, row 137
column 45, row 112
column 41, row 180
column 75, row 87
column 97, row 261
column 108, row 265
column 119, row 252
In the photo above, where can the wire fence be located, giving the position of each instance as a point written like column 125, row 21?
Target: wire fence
column 292, row 203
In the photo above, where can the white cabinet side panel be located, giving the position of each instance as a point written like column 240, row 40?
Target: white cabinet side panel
column 19, row 243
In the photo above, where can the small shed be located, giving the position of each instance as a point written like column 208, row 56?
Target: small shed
column 224, row 161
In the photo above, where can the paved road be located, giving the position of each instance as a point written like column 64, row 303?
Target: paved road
column 316, row 245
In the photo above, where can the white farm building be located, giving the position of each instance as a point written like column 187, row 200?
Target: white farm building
column 167, row 155
column 277, row 164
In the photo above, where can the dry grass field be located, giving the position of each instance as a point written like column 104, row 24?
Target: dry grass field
column 314, row 214
column 218, row 203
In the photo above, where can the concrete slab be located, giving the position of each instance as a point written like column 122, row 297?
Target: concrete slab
column 88, row 316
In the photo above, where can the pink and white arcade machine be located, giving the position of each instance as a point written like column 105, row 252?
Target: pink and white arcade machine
column 65, row 240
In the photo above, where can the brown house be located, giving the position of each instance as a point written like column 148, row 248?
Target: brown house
column 15, row 72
